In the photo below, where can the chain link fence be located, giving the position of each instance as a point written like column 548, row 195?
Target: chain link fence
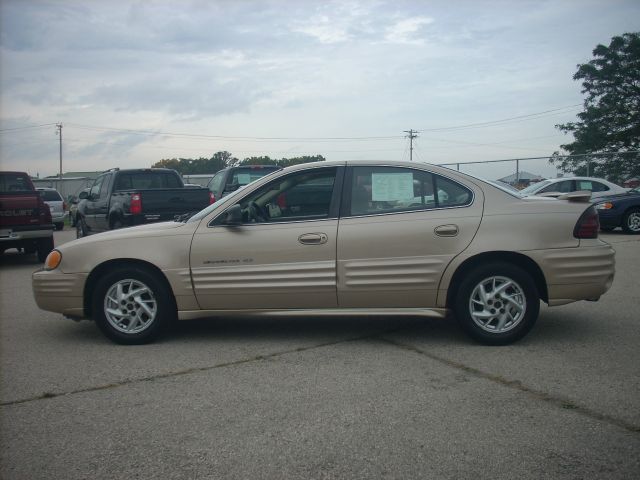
column 622, row 168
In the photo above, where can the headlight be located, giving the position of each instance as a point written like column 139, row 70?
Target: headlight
column 53, row 260
column 604, row 206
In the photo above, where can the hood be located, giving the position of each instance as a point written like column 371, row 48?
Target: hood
column 151, row 230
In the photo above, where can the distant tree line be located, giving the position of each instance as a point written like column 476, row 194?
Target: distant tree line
column 220, row 160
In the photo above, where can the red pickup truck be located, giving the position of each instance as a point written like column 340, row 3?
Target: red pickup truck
column 25, row 220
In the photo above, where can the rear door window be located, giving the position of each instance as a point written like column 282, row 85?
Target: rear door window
column 377, row 190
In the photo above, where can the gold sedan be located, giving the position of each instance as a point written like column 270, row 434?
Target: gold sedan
column 340, row 238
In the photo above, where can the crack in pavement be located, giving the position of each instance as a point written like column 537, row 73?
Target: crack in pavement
column 558, row 401
column 188, row 371
column 517, row 385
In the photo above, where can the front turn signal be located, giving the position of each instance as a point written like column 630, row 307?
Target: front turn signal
column 53, row 260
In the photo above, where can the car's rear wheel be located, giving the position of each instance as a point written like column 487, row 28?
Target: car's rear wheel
column 631, row 221
column 497, row 304
column 132, row 306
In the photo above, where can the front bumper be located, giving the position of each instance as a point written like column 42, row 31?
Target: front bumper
column 59, row 292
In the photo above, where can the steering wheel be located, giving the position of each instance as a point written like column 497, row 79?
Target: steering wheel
column 257, row 213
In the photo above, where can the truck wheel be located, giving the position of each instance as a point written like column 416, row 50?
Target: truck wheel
column 45, row 245
column 116, row 224
column 132, row 306
column 497, row 304
column 81, row 229
column 59, row 226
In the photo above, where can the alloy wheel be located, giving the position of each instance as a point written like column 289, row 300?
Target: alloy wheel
column 497, row 304
column 130, row 306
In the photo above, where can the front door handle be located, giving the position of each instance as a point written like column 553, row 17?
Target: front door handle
column 446, row 230
column 313, row 238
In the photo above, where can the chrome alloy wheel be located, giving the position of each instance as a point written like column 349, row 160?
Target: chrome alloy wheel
column 497, row 304
column 633, row 222
column 130, row 306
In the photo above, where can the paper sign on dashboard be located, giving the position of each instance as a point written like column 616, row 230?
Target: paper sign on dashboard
column 386, row 187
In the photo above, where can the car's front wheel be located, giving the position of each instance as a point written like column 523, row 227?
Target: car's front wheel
column 631, row 221
column 131, row 305
column 497, row 304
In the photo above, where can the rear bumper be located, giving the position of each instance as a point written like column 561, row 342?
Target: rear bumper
column 59, row 292
column 572, row 274
column 59, row 217
column 18, row 234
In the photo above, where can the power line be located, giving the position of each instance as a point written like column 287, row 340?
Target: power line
column 230, row 137
column 531, row 116
column 26, row 127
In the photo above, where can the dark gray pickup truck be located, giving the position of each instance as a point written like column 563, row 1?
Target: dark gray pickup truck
column 123, row 198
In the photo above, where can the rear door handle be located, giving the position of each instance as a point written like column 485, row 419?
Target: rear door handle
column 446, row 230
column 313, row 238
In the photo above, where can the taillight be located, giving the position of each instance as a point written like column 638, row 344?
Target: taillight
column 136, row 204
column 588, row 224
column 45, row 211
column 212, row 198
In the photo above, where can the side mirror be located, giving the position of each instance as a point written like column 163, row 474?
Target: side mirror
column 83, row 194
column 233, row 216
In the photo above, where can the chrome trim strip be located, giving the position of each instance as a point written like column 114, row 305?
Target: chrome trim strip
column 421, row 312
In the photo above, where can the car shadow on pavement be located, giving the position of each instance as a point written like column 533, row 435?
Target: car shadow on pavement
column 290, row 328
column 14, row 258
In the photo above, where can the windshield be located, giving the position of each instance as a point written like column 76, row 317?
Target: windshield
column 534, row 187
column 225, row 200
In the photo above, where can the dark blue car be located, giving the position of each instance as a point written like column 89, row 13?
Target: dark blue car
column 620, row 211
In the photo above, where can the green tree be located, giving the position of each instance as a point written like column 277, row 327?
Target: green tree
column 286, row 162
column 610, row 120
column 264, row 160
column 202, row 165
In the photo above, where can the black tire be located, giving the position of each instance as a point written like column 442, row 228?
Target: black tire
column 116, row 224
column 523, row 294
column 45, row 245
column 132, row 314
column 81, row 228
column 631, row 221
column 59, row 226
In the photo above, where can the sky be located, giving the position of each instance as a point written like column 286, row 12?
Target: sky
column 133, row 82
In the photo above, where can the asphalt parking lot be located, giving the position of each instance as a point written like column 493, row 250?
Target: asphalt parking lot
column 322, row 398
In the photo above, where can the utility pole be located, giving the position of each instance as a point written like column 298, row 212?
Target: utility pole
column 411, row 135
column 59, row 133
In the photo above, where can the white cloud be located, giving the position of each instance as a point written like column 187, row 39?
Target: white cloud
column 405, row 31
column 323, row 29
